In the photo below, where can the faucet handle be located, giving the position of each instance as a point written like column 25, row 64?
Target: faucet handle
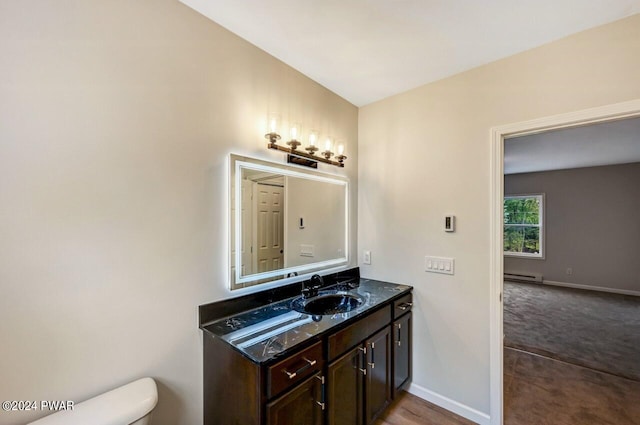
column 317, row 281
column 311, row 290
column 306, row 292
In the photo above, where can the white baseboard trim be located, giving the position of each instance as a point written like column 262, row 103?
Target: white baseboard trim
column 451, row 405
column 591, row 288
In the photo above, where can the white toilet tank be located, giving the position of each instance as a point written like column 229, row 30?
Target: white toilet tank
column 127, row 405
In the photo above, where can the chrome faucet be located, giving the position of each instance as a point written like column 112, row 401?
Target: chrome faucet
column 314, row 285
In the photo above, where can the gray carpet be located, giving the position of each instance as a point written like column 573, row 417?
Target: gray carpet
column 597, row 330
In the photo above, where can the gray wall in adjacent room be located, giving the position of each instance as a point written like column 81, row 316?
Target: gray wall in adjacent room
column 592, row 225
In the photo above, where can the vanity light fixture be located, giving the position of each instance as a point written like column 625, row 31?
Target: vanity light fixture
column 327, row 149
column 294, row 143
column 341, row 157
column 300, row 157
column 313, row 138
column 273, row 135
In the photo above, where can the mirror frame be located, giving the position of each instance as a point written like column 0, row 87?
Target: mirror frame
column 236, row 164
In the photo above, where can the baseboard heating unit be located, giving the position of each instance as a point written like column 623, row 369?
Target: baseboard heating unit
column 523, row 277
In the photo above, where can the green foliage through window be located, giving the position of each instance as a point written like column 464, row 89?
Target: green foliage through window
column 523, row 225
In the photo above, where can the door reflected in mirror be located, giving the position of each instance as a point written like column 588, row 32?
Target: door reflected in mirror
column 284, row 222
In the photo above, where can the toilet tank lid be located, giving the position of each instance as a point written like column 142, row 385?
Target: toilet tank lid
column 122, row 405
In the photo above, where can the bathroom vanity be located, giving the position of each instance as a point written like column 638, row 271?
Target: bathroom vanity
column 267, row 364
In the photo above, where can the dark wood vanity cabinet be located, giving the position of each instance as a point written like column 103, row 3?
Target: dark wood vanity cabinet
column 345, row 377
column 378, row 381
column 304, row 405
column 401, row 352
column 359, row 382
column 293, row 369
column 402, row 343
column 345, row 385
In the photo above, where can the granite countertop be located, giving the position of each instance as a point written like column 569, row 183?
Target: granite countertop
column 263, row 333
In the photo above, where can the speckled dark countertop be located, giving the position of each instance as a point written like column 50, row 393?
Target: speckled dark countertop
column 265, row 332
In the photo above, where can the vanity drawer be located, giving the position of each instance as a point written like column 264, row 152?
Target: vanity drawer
column 402, row 305
column 354, row 334
column 294, row 369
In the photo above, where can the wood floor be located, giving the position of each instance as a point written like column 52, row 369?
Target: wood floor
column 408, row 409
column 543, row 391
column 539, row 391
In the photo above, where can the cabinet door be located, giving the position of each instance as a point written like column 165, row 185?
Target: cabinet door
column 401, row 352
column 303, row 405
column 345, row 379
column 378, row 381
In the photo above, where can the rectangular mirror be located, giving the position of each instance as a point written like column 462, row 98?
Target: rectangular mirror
column 285, row 221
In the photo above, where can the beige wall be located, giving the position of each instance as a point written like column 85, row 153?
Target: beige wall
column 116, row 119
column 426, row 153
column 321, row 204
column 591, row 225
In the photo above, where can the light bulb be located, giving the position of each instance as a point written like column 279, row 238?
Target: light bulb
column 294, row 133
column 274, row 125
column 312, row 139
column 327, row 145
column 340, row 149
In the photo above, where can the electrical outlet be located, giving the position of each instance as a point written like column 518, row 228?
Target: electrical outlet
column 569, row 271
column 366, row 258
column 307, row 250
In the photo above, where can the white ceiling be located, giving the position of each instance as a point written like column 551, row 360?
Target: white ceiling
column 366, row 50
column 616, row 142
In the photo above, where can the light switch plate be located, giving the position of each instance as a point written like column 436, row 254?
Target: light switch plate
column 444, row 265
column 366, row 258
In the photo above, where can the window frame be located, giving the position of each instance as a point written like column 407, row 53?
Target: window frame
column 541, row 225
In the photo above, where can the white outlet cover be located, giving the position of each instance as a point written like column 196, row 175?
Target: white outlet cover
column 366, row 257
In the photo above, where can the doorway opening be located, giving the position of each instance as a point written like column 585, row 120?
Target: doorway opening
column 529, row 238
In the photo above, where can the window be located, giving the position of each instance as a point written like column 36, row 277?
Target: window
column 523, row 226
